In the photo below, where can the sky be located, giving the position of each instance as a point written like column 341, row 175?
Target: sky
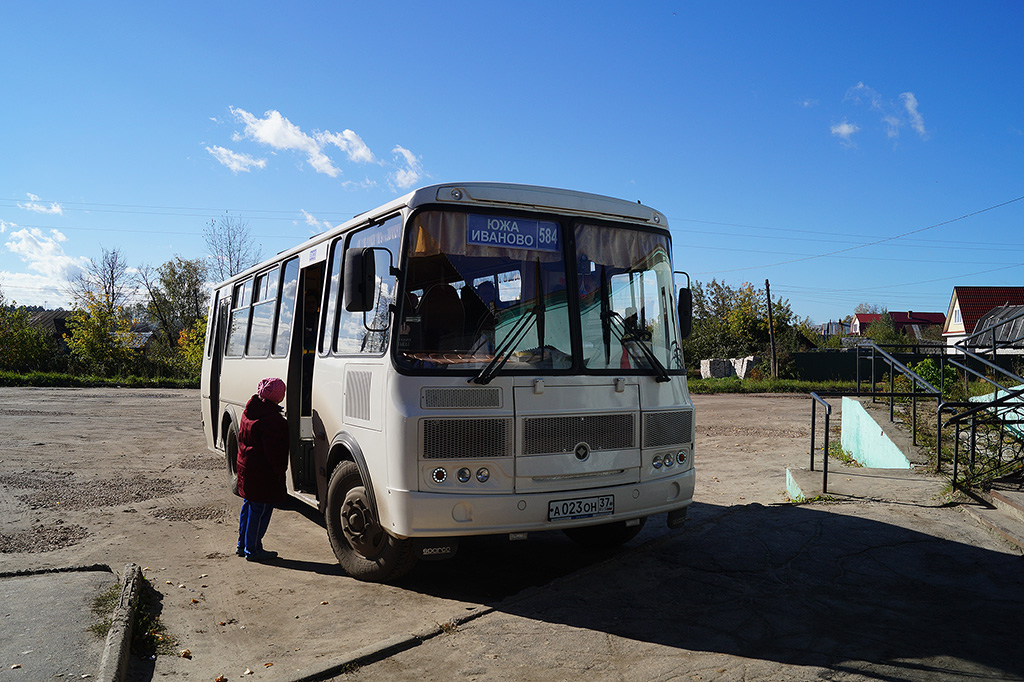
column 848, row 153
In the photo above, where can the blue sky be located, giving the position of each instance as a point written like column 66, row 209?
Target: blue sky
column 867, row 152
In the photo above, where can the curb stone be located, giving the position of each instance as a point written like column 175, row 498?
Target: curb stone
column 114, row 664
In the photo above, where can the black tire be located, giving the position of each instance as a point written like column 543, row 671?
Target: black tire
column 364, row 549
column 231, row 457
column 605, row 535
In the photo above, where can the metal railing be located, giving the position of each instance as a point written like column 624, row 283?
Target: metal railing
column 894, row 366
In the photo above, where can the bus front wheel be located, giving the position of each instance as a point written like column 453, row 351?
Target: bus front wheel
column 605, row 535
column 364, row 549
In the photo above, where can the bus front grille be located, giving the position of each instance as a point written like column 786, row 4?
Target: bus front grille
column 467, row 438
column 667, row 428
column 550, row 435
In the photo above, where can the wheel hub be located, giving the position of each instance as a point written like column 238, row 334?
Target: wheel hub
column 359, row 524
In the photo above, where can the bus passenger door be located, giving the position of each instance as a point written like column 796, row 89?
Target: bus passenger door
column 300, row 377
column 220, row 321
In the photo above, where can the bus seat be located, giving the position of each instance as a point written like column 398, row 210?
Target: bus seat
column 443, row 318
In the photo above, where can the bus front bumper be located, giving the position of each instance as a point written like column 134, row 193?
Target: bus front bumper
column 416, row 514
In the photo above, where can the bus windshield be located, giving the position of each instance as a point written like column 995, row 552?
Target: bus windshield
column 488, row 293
column 627, row 300
column 479, row 285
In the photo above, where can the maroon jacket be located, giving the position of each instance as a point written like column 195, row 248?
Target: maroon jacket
column 262, row 452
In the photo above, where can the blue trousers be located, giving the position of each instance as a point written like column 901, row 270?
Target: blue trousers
column 252, row 525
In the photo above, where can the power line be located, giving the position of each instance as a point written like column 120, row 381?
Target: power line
column 876, row 242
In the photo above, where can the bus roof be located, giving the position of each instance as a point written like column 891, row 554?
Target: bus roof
column 484, row 194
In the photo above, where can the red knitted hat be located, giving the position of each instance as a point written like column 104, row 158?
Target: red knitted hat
column 271, row 390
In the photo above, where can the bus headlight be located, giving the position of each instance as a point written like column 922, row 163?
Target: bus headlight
column 439, row 475
column 657, row 462
column 463, row 475
column 681, row 457
column 482, row 475
column 669, row 461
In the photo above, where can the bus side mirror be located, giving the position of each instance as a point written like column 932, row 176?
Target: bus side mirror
column 685, row 311
column 360, row 280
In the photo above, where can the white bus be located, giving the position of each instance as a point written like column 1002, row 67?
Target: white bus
column 468, row 359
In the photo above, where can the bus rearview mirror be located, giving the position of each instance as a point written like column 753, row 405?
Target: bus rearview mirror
column 360, row 280
column 685, row 310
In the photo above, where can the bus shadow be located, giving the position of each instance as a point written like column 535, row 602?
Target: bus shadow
column 793, row 585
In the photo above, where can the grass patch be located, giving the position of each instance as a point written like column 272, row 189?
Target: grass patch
column 836, row 451
column 737, row 385
column 149, row 636
column 103, row 610
column 59, row 380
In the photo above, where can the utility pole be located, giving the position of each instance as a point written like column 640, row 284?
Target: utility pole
column 771, row 330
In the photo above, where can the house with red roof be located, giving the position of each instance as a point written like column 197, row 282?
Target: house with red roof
column 910, row 322
column 969, row 304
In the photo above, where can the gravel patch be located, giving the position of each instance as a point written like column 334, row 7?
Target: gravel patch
column 55, row 490
column 204, row 461
column 206, row 512
column 42, row 539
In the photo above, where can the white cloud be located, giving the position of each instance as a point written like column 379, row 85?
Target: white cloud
column 278, row 132
column 33, row 205
column 350, row 143
column 44, row 254
column 236, row 162
column 916, row 119
column 317, row 225
column 892, row 126
column 406, row 177
column 845, row 131
column 4, row 225
column 27, row 289
column 894, row 115
column 860, row 93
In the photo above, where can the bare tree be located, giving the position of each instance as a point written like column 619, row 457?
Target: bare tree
column 231, row 245
column 105, row 281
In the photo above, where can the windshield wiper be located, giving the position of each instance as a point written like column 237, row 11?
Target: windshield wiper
column 503, row 352
column 622, row 336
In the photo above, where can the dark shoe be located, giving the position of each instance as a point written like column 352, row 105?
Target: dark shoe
column 240, row 551
column 261, row 555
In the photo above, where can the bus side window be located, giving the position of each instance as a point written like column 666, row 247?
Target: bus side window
column 240, row 297
column 262, row 320
column 211, row 324
column 286, row 311
column 369, row 332
column 333, row 296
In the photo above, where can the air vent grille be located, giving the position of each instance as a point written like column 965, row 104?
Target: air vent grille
column 667, row 428
column 357, row 395
column 546, row 435
column 467, row 438
column 461, row 398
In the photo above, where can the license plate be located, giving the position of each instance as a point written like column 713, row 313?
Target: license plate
column 581, row 507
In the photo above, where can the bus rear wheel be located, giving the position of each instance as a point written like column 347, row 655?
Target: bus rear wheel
column 364, row 549
column 605, row 535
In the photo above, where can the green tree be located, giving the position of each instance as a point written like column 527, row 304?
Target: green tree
column 176, row 298
column 191, row 343
column 101, row 337
column 883, row 331
column 23, row 348
column 733, row 322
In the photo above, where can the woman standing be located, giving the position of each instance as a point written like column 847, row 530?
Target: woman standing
column 261, row 465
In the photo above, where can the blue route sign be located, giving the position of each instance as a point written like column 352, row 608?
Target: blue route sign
column 513, row 233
